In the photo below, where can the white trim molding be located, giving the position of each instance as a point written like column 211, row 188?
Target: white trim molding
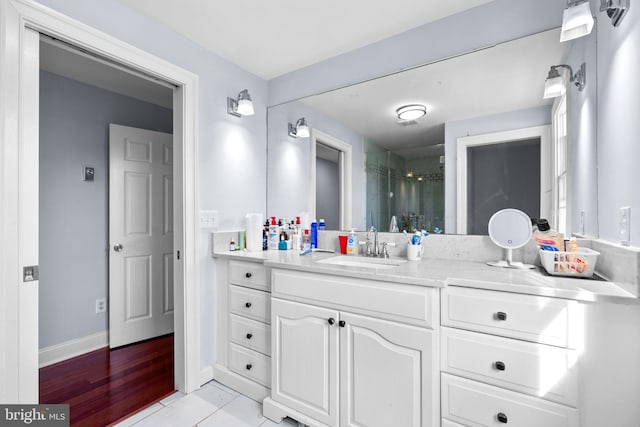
column 68, row 349
column 504, row 137
column 18, row 197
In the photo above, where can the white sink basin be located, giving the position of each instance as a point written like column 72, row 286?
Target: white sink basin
column 363, row 262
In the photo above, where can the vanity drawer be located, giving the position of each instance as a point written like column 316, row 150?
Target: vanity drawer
column 475, row 404
column 416, row 305
column 250, row 334
column 250, row 303
column 536, row 369
column 250, row 364
column 251, row 274
column 545, row 320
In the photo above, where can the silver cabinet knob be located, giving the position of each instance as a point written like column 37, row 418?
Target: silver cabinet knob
column 117, row 247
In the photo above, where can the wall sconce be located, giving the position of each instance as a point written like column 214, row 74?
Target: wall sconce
column 243, row 106
column 616, row 9
column 300, row 129
column 555, row 85
column 577, row 20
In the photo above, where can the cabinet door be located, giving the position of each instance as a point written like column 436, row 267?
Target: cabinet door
column 305, row 359
column 387, row 374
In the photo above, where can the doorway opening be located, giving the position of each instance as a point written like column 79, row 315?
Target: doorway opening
column 332, row 183
column 94, row 294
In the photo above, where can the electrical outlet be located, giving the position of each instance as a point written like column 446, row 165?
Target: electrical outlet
column 625, row 226
column 101, row 305
column 209, row 219
column 582, row 222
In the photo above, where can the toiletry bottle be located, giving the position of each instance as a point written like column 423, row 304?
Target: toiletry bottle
column 548, row 239
column 322, row 225
column 232, row 245
column 314, row 234
column 571, row 247
column 282, row 243
column 352, row 243
column 265, row 236
column 306, row 241
column 273, row 234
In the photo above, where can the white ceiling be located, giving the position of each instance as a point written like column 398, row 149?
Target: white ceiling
column 506, row 77
column 271, row 38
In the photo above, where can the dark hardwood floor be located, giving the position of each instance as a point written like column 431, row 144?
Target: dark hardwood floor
column 105, row 386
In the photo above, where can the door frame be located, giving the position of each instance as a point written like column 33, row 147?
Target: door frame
column 504, row 137
column 345, row 168
column 19, row 190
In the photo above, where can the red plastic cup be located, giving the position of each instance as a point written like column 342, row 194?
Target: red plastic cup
column 343, row 244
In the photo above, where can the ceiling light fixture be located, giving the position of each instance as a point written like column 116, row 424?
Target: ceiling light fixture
column 577, row 20
column 555, row 85
column 616, row 9
column 300, row 129
column 243, row 106
column 411, row 112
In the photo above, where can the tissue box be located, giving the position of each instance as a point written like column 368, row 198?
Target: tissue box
column 573, row 264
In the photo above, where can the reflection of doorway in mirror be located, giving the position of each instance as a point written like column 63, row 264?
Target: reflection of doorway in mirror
column 332, row 156
column 328, row 185
column 502, row 170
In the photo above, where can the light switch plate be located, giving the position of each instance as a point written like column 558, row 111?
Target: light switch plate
column 582, row 222
column 625, row 226
column 209, row 220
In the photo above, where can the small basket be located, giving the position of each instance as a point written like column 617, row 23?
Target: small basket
column 573, row 264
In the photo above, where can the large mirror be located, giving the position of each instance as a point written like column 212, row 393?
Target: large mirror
column 488, row 141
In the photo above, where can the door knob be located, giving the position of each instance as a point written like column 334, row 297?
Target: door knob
column 117, row 247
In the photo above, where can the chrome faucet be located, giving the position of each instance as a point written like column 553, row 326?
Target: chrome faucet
column 376, row 250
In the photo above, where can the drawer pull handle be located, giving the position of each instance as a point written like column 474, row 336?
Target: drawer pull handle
column 249, row 336
column 502, row 418
column 342, row 323
column 249, row 366
column 331, row 320
column 247, row 304
column 247, row 275
column 500, row 366
column 501, row 315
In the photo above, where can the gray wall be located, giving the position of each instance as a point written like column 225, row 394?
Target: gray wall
column 618, row 123
column 74, row 214
column 327, row 193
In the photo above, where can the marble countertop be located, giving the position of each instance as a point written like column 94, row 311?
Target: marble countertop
column 443, row 272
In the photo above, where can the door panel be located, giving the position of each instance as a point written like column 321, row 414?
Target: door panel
column 140, row 234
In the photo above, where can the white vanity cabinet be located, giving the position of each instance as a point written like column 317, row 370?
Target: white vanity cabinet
column 243, row 359
column 343, row 355
column 509, row 358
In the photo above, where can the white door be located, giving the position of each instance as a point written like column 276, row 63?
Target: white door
column 140, row 234
column 304, row 351
column 387, row 374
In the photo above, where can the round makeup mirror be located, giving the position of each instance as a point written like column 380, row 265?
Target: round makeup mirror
column 510, row 229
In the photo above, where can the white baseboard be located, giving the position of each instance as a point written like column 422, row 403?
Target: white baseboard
column 206, row 375
column 66, row 350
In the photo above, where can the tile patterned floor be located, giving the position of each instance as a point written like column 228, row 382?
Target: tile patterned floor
column 214, row 405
